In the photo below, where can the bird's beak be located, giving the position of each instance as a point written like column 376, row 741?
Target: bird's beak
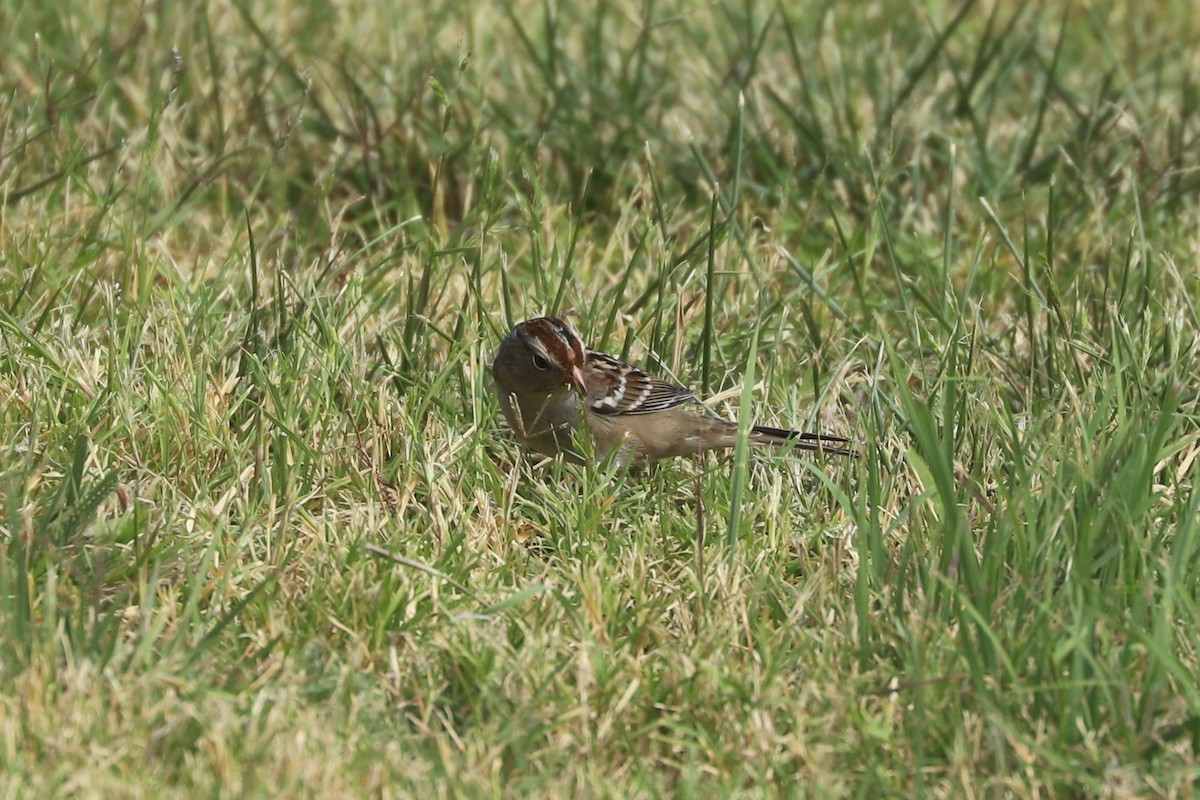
column 577, row 379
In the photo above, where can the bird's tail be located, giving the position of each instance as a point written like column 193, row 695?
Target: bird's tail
column 816, row 442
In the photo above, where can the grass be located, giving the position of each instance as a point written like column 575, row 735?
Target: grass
column 262, row 532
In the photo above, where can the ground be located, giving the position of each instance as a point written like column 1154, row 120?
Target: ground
column 262, row 531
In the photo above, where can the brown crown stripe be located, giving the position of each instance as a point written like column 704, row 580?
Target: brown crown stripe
column 557, row 339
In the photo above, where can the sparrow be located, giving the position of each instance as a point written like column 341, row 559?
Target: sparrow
column 560, row 397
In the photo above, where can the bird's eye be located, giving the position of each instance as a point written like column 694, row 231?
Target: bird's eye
column 540, row 362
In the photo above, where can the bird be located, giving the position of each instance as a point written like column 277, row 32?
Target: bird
column 560, row 397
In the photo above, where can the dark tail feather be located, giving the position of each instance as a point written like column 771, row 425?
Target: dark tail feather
column 816, row 442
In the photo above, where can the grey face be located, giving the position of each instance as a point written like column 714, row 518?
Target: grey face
column 538, row 356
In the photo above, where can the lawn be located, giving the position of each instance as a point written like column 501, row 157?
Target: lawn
column 263, row 532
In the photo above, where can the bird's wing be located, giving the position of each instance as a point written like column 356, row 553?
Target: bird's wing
column 614, row 387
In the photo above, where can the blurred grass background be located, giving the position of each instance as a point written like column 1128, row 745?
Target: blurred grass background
column 262, row 532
